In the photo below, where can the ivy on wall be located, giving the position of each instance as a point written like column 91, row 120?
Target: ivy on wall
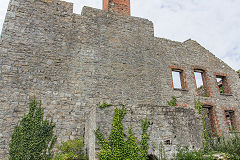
column 173, row 101
column 33, row 137
column 104, row 105
column 119, row 147
column 198, row 106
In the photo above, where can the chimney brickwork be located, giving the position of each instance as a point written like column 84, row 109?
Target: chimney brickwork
column 117, row 6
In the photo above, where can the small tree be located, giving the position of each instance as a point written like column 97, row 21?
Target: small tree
column 33, row 137
column 118, row 147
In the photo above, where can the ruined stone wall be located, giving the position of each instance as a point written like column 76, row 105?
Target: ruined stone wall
column 74, row 62
column 171, row 126
column 188, row 56
column 35, row 61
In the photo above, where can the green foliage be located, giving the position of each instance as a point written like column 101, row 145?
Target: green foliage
column 131, row 145
column 104, row 105
column 144, row 141
column 200, row 88
column 186, row 154
column 198, row 106
column 162, row 153
column 173, row 102
column 238, row 73
column 204, row 95
column 116, row 147
column 33, row 137
column 116, row 137
column 205, row 135
column 229, row 145
column 71, row 149
column 221, row 89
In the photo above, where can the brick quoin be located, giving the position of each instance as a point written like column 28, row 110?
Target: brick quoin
column 118, row 6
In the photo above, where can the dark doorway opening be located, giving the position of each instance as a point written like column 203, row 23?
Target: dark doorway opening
column 207, row 112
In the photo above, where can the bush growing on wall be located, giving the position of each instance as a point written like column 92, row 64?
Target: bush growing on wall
column 117, row 147
column 173, row 102
column 33, row 137
column 71, row 149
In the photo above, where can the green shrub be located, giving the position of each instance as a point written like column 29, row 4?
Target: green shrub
column 71, row 149
column 229, row 145
column 238, row 73
column 173, row 102
column 118, row 147
column 186, row 154
column 33, row 137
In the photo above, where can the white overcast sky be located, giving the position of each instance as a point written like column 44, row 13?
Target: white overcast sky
column 215, row 24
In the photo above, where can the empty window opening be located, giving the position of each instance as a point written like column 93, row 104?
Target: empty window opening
column 201, row 83
column 222, row 84
column 230, row 120
column 177, row 76
column 219, row 83
column 199, row 80
column 207, row 113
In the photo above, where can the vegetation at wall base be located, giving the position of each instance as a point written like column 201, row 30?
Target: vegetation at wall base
column 227, row 147
column 119, row 147
column 186, row 154
column 71, row 149
column 33, row 137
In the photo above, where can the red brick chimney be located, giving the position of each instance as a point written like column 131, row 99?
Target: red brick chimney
column 118, row 6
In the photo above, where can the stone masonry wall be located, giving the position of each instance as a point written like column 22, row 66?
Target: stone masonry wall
column 35, row 58
column 74, row 62
column 172, row 126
